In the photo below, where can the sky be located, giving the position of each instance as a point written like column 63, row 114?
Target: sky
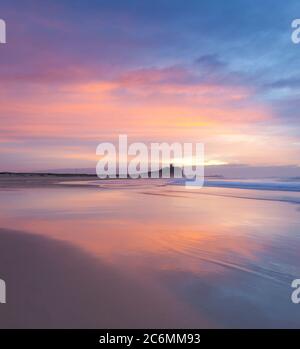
column 77, row 73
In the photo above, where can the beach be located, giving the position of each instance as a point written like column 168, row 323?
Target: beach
column 81, row 253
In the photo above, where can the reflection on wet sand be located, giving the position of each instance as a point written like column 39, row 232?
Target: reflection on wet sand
column 212, row 258
column 54, row 285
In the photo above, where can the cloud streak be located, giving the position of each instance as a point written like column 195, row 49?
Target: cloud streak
column 74, row 75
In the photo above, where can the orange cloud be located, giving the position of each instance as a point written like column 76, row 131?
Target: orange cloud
column 153, row 104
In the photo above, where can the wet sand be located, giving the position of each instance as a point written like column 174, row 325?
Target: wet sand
column 135, row 254
column 51, row 284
